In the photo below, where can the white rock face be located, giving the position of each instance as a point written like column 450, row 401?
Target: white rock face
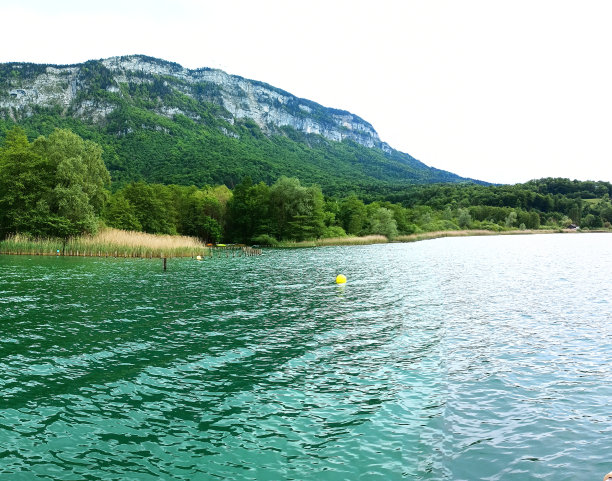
column 54, row 87
column 269, row 107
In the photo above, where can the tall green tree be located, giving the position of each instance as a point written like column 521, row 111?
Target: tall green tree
column 80, row 181
column 248, row 211
column 296, row 211
column 154, row 207
column 382, row 222
column 55, row 186
column 25, row 180
column 352, row 215
column 121, row 214
column 202, row 216
column 464, row 219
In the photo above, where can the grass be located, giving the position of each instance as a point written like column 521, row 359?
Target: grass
column 108, row 243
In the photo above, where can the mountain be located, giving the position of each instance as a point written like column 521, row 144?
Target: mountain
column 160, row 122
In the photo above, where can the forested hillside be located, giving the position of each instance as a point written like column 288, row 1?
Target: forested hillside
column 143, row 144
column 160, row 123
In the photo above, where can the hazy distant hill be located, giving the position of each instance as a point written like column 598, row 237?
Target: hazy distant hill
column 160, row 122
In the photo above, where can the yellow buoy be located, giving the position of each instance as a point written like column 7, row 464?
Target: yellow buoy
column 199, row 258
column 340, row 279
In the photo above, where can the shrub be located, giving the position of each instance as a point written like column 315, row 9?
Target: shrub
column 333, row 231
column 265, row 240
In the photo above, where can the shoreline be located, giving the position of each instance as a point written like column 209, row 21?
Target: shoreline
column 107, row 243
column 47, row 247
column 427, row 236
column 477, row 233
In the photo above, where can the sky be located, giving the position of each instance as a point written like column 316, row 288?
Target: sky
column 501, row 91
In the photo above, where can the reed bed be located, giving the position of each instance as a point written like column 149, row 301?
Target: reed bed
column 119, row 243
column 380, row 239
column 336, row 241
column 437, row 234
column 108, row 243
column 465, row 233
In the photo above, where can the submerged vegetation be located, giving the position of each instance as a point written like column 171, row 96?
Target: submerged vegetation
column 57, row 189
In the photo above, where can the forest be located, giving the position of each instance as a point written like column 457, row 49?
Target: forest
column 58, row 186
column 163, row 129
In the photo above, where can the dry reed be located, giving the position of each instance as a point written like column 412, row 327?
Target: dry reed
column 465, row 233
column 142, row 239
column 108, row 243
column 336, row 241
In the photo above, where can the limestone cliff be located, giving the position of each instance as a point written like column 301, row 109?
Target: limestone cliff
column 160, row 122
column 28, row 86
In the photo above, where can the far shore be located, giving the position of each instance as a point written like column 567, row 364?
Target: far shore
column 476, row 232
column 368, row 240
column 116, row 243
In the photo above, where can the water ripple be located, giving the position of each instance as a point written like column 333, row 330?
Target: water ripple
column 458, row 359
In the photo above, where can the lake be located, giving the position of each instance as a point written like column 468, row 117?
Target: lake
column 482, row 358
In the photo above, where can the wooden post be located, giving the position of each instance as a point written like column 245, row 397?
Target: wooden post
column 164, row 263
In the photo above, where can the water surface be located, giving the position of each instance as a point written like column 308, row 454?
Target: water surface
column 460, row 359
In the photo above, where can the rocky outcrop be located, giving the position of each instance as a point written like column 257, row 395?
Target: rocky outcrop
column 25, row 87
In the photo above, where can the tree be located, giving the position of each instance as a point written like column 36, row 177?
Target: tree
column 209, row 230
column 296, row 212
column 153, row 206
column 25, row 179
column 448, row 213
column 511, row 219
column 575, row 212
column 606, row 213
column 464, row 219
column 382, row 222
column 592, row 221
column 534, row 220
column 309, row 223
column 120, row 213
column 248, row 211
column 352, row 215
column 202, row 216
column 55, row 186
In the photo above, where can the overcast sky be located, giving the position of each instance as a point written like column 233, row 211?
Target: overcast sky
column 503, row 91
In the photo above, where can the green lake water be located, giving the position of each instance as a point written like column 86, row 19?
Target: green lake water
column 485, row 358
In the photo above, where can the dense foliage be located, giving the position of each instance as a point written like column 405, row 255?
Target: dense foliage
column 289, row 211
column 53, row 186
column 556, row 201
column 162, row 129
column 142, row 146
column 58, row 186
